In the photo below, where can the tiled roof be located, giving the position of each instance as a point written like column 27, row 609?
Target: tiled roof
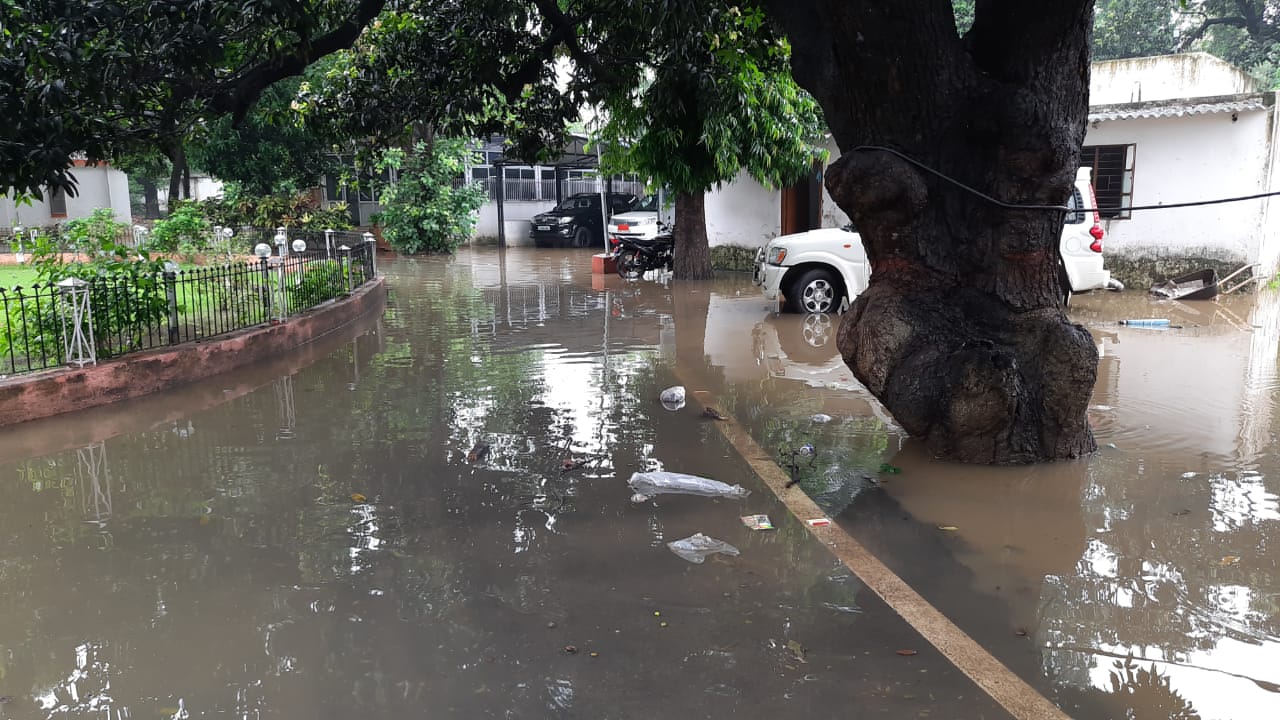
column 1177, row 108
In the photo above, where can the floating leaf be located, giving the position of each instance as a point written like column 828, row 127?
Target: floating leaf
column 358, row 498
column 907, row 652
column 1229, row 560
column 797, row 650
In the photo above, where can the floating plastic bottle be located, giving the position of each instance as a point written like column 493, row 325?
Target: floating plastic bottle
column 1146, row 322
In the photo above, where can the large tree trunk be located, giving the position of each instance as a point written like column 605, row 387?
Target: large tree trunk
column 151, row 198
column 692, row 254
column 962, row 333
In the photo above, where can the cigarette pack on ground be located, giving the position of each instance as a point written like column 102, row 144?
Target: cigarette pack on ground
column 757, row 522
column 818, row 522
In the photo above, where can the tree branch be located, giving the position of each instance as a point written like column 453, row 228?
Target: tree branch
column 237, row 96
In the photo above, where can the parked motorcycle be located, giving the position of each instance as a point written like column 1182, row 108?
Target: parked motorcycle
column 634, row 256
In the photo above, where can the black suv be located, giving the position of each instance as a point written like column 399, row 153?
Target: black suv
column 577, row 221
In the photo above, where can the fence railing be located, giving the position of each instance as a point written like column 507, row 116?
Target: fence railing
column 47, row 326
column 514, row 189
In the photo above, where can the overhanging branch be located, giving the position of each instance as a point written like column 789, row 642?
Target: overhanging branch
column 238, row 95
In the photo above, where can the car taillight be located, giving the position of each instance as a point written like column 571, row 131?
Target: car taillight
column 1096, row 232
column 613, row 239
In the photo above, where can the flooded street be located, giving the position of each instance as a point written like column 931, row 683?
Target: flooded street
column 309, row 538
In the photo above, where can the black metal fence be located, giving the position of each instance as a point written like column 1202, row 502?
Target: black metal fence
column 128, row 313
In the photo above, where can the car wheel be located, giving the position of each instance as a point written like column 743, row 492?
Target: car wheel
column 629, row 266
column 581, row 237
column 816, row 291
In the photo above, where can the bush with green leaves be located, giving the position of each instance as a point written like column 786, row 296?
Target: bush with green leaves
column 186, row 230
column 87, row 234
column 428, row 208
column 300, row 210
column 127, row 291
column 321, row 282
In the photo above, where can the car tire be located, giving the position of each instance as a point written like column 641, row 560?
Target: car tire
column 816, row 290
column 581, row 237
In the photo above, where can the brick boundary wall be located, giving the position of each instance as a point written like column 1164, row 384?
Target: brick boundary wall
column 64, row 390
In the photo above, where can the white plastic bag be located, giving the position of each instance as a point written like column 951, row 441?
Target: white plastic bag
column 697, row 547
column 646, row 485
column 673, row 397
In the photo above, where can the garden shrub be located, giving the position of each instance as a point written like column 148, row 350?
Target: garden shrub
column 428, row 209
column 186, row 230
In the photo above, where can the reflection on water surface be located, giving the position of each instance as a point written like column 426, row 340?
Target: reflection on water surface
column 314, row 542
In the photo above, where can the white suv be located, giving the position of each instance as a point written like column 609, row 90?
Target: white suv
column 823, row 270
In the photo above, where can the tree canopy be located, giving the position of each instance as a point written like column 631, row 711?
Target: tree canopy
column 99, row 78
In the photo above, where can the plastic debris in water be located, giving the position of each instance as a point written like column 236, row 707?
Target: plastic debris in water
column 818, row 522
column 478, row 451
column 673, row 397
column 697, row 547
column 757, row 522
column 646, row 485
column 1146, row 322
column 714, row 414
column 821, row 418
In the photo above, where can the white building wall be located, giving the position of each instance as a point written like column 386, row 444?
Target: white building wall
column 516, row 215
column 742, row 212
column 1165, row 77
column 99, row 186
column 1185, row 159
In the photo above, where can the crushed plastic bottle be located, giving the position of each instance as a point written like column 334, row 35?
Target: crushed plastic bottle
column 673, row 397
column 647, row 485
column 1146, row 322
column 697, row 547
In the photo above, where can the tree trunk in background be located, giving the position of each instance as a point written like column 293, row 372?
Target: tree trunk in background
column 177, row 155
column 962, row 333
column 151, row 198
column 692, row 255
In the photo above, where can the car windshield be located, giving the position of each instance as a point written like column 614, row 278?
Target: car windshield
column 649, row 204
column 576, row 202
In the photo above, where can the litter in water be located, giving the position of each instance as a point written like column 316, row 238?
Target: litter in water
column 1146, row 322
column 821, row 418
column 647, row 485
column 673, row 397
column 818, row 522
column 697, row 547
column 757, row 522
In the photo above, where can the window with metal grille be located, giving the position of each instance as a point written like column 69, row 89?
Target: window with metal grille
column 1112, row 177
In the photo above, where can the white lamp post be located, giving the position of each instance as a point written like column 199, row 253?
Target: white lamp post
column 369, row 247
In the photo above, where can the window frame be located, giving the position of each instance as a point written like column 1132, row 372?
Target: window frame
column 1091, row 156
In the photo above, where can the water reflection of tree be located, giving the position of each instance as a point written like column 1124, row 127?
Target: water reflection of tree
column 1150, row 691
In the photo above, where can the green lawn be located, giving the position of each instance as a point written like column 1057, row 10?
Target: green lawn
column 12, row 276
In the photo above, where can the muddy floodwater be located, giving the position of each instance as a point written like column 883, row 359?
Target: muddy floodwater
column 428, row 516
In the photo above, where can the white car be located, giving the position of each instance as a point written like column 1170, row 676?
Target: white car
column 1081, row 244
column 823, row 270
column 815, row 271
column 640, row 222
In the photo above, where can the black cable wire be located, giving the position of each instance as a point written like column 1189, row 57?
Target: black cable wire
column 1056, row 208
